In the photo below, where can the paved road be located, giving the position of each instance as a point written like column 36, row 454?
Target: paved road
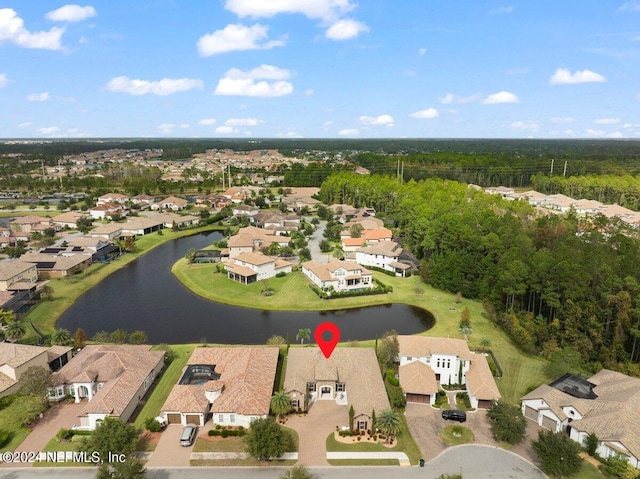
column 314, row 243
column 474, row 462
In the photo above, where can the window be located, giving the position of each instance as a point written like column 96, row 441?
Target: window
column 311, row 387
column 295, row 403
column 232, row 418
column 340, row 387
column 438, row 362
column 409, row 358
column 220, row 417
column 362, row 425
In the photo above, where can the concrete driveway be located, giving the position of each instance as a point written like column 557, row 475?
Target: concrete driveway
column 313, row 429
column 426, row 424
column 58, row 416
column 169, row 452
column 314, row 243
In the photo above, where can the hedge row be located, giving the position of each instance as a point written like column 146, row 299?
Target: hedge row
column 227, row 432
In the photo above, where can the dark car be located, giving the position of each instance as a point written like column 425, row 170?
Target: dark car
column 455, row 415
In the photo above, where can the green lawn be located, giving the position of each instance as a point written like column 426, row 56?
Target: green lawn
column 404, row 443
column 45, row 314
column 292, row 292
column 244, row 463
column 164, row 386
column 363, row 462
column 228, row 444
column 456, row 435
column 11, row 420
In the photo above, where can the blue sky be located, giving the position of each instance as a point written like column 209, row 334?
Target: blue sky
column 320, row 68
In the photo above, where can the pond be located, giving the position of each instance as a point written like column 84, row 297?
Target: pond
column 145, row 295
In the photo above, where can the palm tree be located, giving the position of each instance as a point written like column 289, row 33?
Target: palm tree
column 389, row 423
column 280, row 403
column 61, row 337
column 303, row 333
column 15, row 330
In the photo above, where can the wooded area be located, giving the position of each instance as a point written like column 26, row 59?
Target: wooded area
column 552, row 282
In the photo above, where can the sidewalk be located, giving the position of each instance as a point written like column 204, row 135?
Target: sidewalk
column 400, row 456
column 212, row 456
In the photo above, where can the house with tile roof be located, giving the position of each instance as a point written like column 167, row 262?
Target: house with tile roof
column 112, row 198
column 15, row 359
column 111, row 379
column 426, row 362
column 14, row 273
column 170, row 203
column 232, row 385
column 350, row 377
column 337, row 275
column 140, row 226
column 607, row 404
column 250, row 239
column 248, row 268
column 384, row 255
column 58, row 265
column 28, row 224
column 69, row 219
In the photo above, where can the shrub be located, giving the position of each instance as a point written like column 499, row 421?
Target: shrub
column 391, row 377
column 4, row 438
column 152, row 425
column 213, row 432
column 225, row 433
column 7, row 400
column 281, row 274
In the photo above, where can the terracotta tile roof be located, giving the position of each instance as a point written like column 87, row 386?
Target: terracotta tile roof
column 354, row 241
column 418, row 378
column 140, row 223
column 318, row 269
column 280, row 263
column 121, row 368
column 350, row 266
column 480, row 381
column 70, row 217
column 243, row 271
column 54, row 352
column 428, row 346
column 255, row 259
column 384, row 248
column 6, row 382
column 356, row 367
column 31, row 220
column 15, row 355
column 12, row 268
column 106, row 229
column 377, row 234
column 248, row 375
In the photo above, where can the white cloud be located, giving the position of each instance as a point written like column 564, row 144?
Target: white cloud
column 12, row 30
column 377, row 120
column 308, row 92
column 562, row 119
column 44, row 96
column 594, row 133
column 166, row 86
column 345, row 29
column 632, row 5
column 49, row 130
column 3, row 80
column 166, row 128
column 235, row 37
column 328, row 10
column 238, row 82
column 501, row 97
column 184, row 125
column 25, row 124
column 226, row 130
column 525, row 126
column 607, row 121
column 422, row 52
column 565, row 77
column 425, row 114
column 348, row 132
column 243, row 122
column 501, row 10
column 451, row 98
column 328, row 123
column 71, row 13
column 207, row 121
column 289, row 134
column 615, row 134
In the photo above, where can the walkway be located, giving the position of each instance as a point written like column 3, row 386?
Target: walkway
column 169, row 452
column 402, row 458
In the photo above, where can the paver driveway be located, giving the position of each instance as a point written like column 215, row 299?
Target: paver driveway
column 169, row 452
column 313, row 429
column 426, row 423
column 58, row 416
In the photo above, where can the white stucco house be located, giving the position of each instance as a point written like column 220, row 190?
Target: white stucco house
column 426, row 362
column 607, row 404
column 251, row 267
column 338, row 275
column 231, row 385
column 384, row 255
column 111, row 379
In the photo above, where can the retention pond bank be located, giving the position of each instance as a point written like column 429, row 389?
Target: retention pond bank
column 145, row 295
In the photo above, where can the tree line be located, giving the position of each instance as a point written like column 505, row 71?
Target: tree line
column 553, row 283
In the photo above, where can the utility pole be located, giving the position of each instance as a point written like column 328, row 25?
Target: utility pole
column 551, row 172
column 222, row 175
column 564, row 173
column 229, row 173
column 402, row 173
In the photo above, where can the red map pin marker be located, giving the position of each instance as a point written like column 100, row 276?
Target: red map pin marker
column 327, row 345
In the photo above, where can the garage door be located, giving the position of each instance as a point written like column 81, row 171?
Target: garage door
column 484, row 403
column 531, row 413
column 418, row 398
column 193, row 419
column 173, row 418
column 549, row 423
